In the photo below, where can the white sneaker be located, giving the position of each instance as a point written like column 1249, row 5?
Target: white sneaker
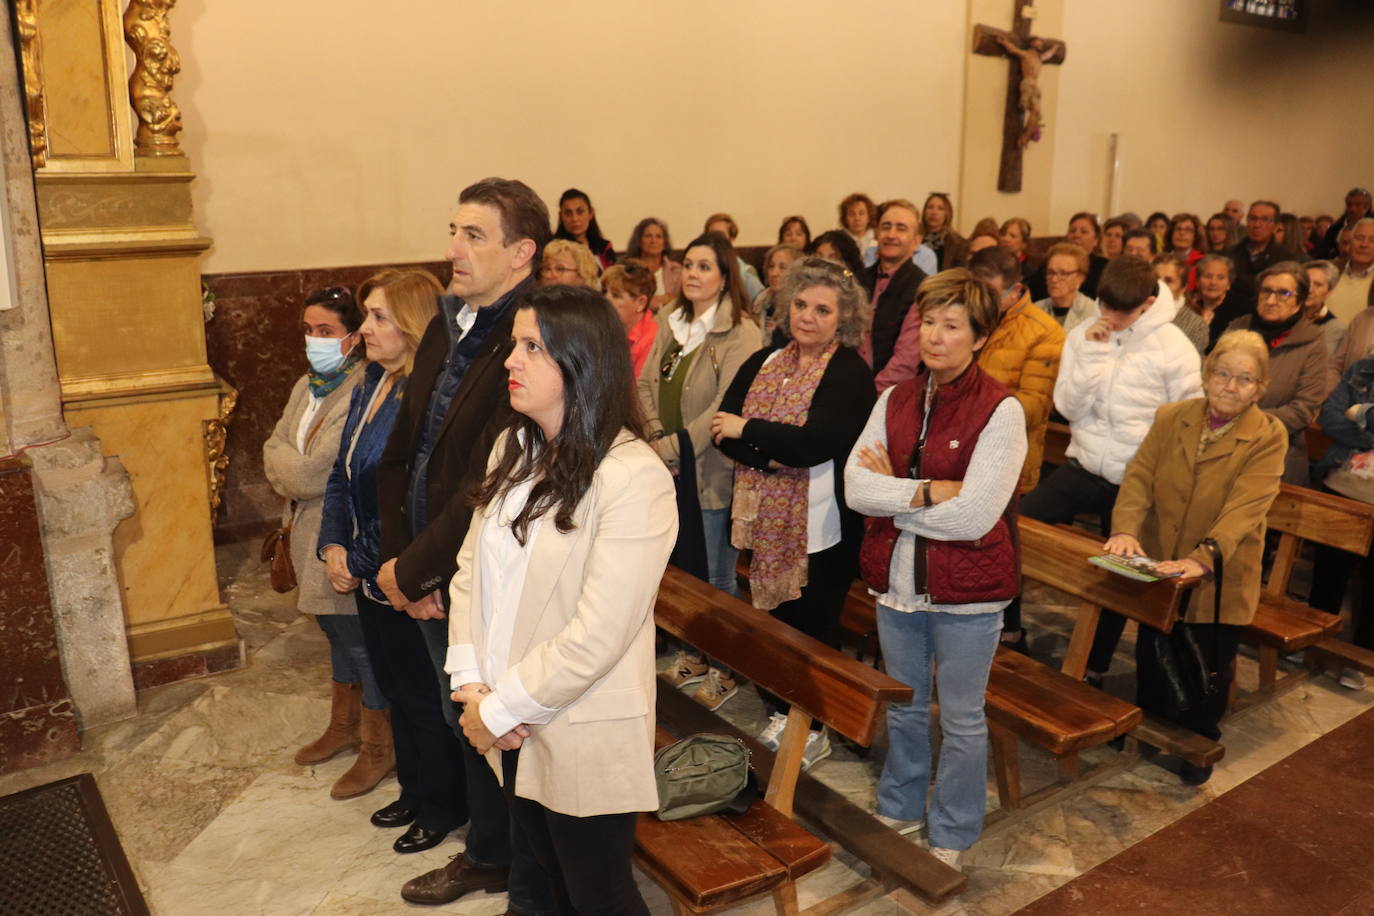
column 772, row 732
column 948, row 856
column 1352, row 679
column 905, row 828
column 817, row 749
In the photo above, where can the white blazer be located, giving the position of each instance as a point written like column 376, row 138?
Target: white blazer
column 583, row 640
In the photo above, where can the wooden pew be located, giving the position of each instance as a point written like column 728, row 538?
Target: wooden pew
column 1057, row 440
column 1283, row 625
column 709, row 863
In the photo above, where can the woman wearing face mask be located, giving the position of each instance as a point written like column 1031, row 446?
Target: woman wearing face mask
column 297, row 458
column 704, row 336
column 399, row 305
column 1300, row 375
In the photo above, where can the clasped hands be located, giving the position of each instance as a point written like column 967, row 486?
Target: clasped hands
column 1126, row 545
column 875, row 458
column 429, row 607
column 475, row 730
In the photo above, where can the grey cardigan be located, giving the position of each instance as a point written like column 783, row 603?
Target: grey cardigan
column 302, row 478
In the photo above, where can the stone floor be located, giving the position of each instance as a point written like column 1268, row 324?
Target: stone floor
column 216, row 819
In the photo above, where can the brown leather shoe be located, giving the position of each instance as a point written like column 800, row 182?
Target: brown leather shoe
column 376, row 758
column 447, row 884
column 342, row 733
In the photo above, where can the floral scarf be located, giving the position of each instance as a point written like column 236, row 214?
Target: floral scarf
column 322, row 385
column 770, row 507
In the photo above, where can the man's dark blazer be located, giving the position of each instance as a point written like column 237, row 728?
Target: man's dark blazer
column 479, row 411
column 891, row 308
column 1246, row 271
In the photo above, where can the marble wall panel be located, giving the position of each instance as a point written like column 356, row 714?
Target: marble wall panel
column 37, row 721
column 254, row 343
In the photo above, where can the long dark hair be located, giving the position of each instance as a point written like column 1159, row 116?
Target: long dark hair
column 583, row 335
column 595, row 240
column 844, row 245
column 731, row 284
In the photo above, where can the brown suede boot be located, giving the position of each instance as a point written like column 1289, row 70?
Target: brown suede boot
column 342, row 733
column 376, row 758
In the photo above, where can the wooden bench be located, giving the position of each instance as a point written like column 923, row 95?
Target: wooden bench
column 1057, row 440
column 712, row 862
column 1283, row 625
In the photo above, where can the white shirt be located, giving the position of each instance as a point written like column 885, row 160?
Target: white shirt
column 464, row 319
column 312, row 407
column 692, row 334
column 502, row 567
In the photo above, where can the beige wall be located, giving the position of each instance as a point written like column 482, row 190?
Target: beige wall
column 1208, row 110
column 330, row 134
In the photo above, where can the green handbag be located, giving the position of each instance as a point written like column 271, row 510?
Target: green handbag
column 703, row 774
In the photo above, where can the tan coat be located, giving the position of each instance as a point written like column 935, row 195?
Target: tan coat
column 583, row 640
column 1357, row 343
column 303, row 478
column 712, row 370
column 1171, row 500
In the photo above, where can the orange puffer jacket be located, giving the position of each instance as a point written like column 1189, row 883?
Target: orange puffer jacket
column 1023, row 354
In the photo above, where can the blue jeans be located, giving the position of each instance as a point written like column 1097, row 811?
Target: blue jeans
column 492, row 839
column 720, row 554
column 348, row 659
column 959, row 647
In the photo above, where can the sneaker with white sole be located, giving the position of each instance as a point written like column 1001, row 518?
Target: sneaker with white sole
column 772, row 732
column 685, row 671
column 1351, row 679
column 948, row 856
column 715, row 689
column 905, row 828
column 817, row 749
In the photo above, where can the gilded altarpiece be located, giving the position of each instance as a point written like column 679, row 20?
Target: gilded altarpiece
column 122, row 254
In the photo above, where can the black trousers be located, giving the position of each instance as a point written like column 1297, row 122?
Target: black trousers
column 1205, row 719
column 1331, row 571
column 429, row 758
column 588, row 859
column 1068, row 492
column 816, row 611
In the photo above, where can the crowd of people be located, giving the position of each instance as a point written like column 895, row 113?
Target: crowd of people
column 485, row 483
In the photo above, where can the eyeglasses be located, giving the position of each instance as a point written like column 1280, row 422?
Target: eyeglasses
column 1283, row 295
column 1226, row 378
column 1260, row 219
column 556, row 269
column 1060, row 274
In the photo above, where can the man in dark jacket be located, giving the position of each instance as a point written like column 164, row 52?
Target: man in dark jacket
column 1259, row 251
column 455, row 403
column 1358, row 204
column 893, row 279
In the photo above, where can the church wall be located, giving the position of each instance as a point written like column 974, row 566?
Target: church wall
column 1208, row 110
column 343, row 139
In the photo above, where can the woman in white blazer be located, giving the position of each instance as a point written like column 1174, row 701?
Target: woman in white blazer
column 551, row 626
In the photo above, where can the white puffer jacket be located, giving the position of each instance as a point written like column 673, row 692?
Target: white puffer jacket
column 1109, row 391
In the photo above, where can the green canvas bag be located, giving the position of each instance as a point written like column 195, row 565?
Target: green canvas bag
column 703, row 774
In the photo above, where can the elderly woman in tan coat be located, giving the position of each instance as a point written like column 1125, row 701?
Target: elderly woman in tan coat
column 1208, row 469
column 297, row 458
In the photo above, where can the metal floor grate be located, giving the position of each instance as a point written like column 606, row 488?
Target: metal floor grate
column 59, row 855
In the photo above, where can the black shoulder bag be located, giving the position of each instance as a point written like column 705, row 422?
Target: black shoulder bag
column 1189, row 680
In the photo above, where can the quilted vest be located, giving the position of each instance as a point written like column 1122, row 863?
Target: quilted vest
column 956, row 572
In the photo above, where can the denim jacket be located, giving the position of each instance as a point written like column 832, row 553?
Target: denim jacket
column 1348, row 436
column 350, row 517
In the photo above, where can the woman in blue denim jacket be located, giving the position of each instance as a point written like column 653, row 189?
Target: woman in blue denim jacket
column 399, row 305
column 1348, row 419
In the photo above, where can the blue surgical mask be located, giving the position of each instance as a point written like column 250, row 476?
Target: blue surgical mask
column 325, row 354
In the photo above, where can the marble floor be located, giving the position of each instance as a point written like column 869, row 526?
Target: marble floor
column 216, row 819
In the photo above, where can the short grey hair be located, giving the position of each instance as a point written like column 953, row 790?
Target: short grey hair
column 1222, row 259
column 1331, row 271
column 855, row 312
column 1360, row 222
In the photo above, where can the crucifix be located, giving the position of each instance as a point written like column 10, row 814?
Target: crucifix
column 1027, row 53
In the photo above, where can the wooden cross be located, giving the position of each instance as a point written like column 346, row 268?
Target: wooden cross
column 1025, row 52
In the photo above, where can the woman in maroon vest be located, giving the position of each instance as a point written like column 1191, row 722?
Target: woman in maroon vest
column 935, row 470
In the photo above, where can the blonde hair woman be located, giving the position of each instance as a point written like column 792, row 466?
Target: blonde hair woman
column 399, row 305
column 570, row 263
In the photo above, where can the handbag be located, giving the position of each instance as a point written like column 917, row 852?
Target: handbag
column 1188, row 679
column 1354, row 478
column 276, row 549
column 703, row 774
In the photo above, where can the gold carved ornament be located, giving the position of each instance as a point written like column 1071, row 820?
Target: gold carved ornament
column 216, row 436
column 156, row 63
column 26, row 23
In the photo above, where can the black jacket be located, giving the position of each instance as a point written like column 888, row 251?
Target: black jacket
column 480, row 409
column 1247, row 270
column 839, row 411
column 891, row 308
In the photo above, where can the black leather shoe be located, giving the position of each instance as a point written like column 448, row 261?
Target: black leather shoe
column 393, row 815
column 418, row 839
column 1194, row 775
